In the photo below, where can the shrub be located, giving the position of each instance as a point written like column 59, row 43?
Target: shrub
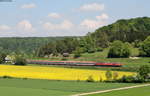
column 131, row 79
column 77, row 55
column 144, row 72
column 142, row 76
column 139, row 79
column 5, row 76
column 64, row 59
column 77, row 52
column 91, row 50
column 108, row 75
column 19, row 60
column 99, row 49
column 90, row 79
column 119, row 50
column 1, row 60
column 2, row 57
column 100, row 79
column 136, row 43
column 127, row 79
column 145, row 48
column 115, row 75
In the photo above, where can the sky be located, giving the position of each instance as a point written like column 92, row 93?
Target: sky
column 43, row 18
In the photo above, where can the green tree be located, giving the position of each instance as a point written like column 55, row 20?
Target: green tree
column 144, row 71
column 119, row 50
column 78, row 52
column 88, row 44
column 124, row 30
column 145, row 47
column 19, row 60
column 2, row 56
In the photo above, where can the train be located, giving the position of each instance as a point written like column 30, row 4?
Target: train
column 74, row 63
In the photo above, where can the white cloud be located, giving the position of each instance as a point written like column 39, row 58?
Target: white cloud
column 4, row 28
column 92, row 7
column 54, row 15
column 28, row 6
column 5, row 31
column 102, row 17
column 25, row 26
column 65, row 25
column 22, row 29
column 92, row 24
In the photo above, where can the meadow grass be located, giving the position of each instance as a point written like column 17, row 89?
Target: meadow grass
column 29, row 87
column 128, row 63
column 142, row 91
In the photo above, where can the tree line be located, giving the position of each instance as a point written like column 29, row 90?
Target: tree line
column 76, row 45
column 24, row 44
column 130, row 30
column 119, row 37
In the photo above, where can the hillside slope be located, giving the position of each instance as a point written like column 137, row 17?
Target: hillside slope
column 26, row 44
column 127, row 30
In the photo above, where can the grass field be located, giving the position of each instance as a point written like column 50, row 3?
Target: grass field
column 128, row 63
column 142, row 91
column 21, row 87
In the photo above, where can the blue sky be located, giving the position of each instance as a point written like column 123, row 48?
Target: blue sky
column 36, row 18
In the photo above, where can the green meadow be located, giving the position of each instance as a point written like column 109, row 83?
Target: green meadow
column 28, row 87
column 129, row 64
column 142, row 91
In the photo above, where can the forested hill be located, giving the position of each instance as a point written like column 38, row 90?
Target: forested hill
column 124, row 30
column 27, row 44
column 127, row 30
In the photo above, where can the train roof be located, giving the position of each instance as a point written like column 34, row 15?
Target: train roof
column 64, row 61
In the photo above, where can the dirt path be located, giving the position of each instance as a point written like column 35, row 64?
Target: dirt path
column 116, row 89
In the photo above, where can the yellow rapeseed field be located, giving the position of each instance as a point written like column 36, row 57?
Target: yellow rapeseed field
column 53, row 73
